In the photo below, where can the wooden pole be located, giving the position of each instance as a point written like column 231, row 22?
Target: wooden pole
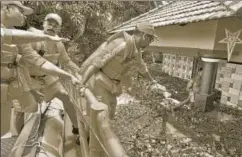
column 108, row 137
column 105, row 137
column 82, row 137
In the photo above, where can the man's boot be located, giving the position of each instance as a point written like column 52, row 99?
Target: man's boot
column 76, row 133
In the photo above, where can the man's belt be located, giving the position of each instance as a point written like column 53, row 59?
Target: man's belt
column 40, row 78
column 41, row 52
column 116, row 81
column 9, row 65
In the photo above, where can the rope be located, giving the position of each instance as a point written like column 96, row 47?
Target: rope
column 41, row 115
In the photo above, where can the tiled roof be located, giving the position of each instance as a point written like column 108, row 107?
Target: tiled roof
column 182, row 12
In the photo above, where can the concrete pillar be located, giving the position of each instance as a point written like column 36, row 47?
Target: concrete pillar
column 204, row 99
column 209, row 75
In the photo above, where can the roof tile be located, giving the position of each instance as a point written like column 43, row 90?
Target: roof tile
column 182, row 12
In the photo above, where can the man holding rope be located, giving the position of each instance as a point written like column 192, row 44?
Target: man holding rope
column 54, row 52
column 103, row 71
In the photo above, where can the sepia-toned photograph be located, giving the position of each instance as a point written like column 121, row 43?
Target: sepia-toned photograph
column 98, row 78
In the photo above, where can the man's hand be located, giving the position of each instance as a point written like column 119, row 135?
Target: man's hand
column 78, row 76
column 75, row 80
column 99, row 106
column 57, row 39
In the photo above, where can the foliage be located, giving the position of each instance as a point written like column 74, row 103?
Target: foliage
column 86, row 23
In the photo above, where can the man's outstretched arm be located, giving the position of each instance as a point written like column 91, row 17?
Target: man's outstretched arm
column 32, row 58
column 15, row 36
column 143, row 69
column 88, row 73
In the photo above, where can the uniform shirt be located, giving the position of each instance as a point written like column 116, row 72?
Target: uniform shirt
column 54, row 52
column 22, row 54
column 30, row 56
column 120, row 56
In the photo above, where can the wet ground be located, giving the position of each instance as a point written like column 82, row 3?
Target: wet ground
column 147, row 130
column 143, row 132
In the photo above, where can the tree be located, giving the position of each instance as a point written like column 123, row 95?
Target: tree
column 86, row 22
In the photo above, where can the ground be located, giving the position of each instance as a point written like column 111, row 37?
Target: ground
column 147, row 130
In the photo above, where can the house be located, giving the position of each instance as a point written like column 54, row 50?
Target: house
column 199, row 33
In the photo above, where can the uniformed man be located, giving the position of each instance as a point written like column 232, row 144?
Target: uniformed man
column 54, row 52
column 105, row 68
column 103, row 71
column 193, row 87
column 15, row 78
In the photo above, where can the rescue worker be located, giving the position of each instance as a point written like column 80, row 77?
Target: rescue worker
column 15, row 78
column 54, row 52
column 103, row 71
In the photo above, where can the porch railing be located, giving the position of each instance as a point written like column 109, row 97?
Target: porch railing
column 93, row 123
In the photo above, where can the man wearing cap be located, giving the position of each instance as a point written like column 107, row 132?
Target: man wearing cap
column 15, row 36
column 54, row 52
column 15, row 77
column 103, row 71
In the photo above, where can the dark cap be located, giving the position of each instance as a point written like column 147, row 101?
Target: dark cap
column 26, row 10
